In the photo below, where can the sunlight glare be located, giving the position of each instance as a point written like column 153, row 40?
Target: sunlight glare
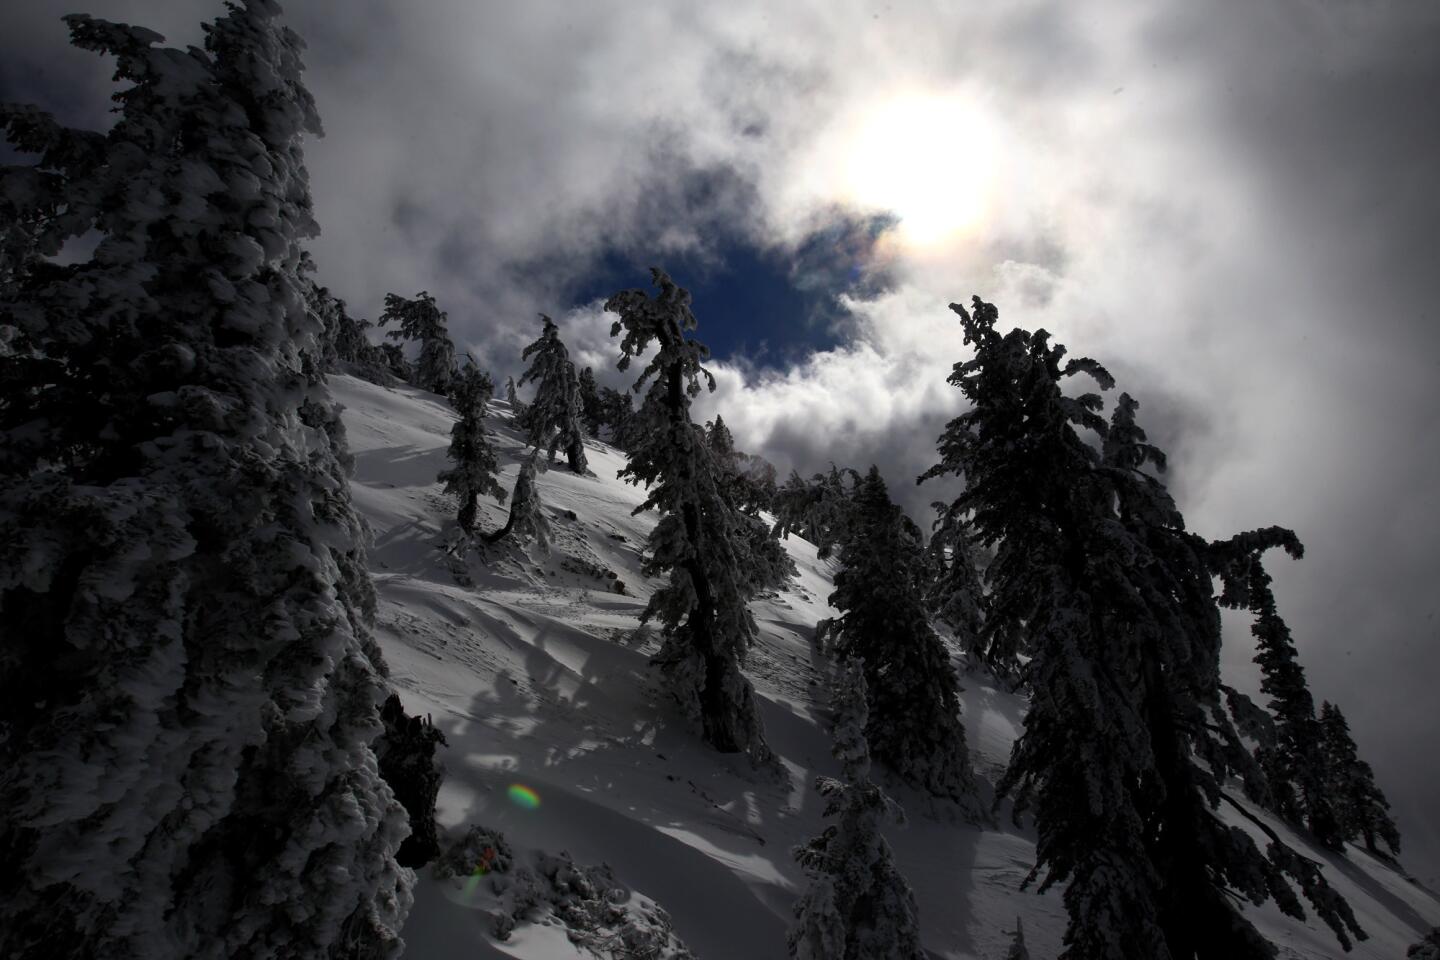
column 928, row 159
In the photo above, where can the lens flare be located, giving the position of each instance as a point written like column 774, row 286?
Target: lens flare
column 523, row 796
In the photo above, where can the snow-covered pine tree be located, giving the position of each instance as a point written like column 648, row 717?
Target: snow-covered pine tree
column 618, row 415
column 592, row 411
column 698, row 541
column 420, row 319
column 858, row 905
column 188, row 681
column 552, row 418
column 817, row 510
column 527, row 514
column 767, row 566
column 345, row 347
column 759, row 476
column 1359, row 804
column 953, row 589
column 473, row 469
column 517, row 408
column 915, row 726
column 393, row 360
column 1294, row 764
column 1126, row 744
column 749, row 481
column 1017, row 949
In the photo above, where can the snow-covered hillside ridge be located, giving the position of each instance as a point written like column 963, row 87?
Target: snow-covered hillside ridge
column 535, row 668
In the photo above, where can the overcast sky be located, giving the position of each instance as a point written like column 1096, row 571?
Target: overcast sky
column 1231, row 204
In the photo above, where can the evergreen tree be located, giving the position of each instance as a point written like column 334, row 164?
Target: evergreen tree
column 1107, row 601
column 552, row 419
column 517, row 408
column 858, row 905
column 392, row 359
column 766, row 565
column 818, row 510
column 749, row 481
column 1294, row 762
column 915, row 728
column 698, row 541
column 953, row 589
column 345, row 347
column 618, row 413
column 527, row 514
column 188, row 680
column 1017, row 949
column 473, row 472
column 592, row 411
column 422, row 320
column 1359, row 804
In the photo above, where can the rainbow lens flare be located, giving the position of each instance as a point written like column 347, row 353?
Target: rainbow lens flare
column 523, row 796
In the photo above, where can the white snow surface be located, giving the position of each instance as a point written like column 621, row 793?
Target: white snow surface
column 534, row 669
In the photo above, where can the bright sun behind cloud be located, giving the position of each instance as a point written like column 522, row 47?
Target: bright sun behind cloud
column 929, row 159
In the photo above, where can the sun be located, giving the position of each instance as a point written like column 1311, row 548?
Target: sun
column 927, row 158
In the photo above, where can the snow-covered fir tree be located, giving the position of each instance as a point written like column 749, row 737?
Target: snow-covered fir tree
column 699, row 542
column 552, row 418
column 421, row 319
column 345, row 347
column 526, row 521
column 915, row 726
column 618, row 415
column 766, row 565
column 1017, row 949
column 1359, row 804
column 189, row 686
column 817, row 510
column 517, row 408
column 592, row 410
column 953, row 590
column 473, row 469
column 858, row 906
column 1126, row 745
column 1294, row 761
column 393, row 360
column 749, row 480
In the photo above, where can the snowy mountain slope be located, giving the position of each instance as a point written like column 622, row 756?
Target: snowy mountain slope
column 534, row 668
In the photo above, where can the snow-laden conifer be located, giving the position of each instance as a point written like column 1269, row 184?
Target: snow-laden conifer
column 517, row 408
column 953, row 589
column 421, row 319
column 345, row 347
column 1293, row 760
column 552, row 418
column 473, row 469
column 914, row 726
column 526, row 521
column 858, row 906
column 1017, row 949
column 1359, row 804
column 698, row 541
column 1107, row 601
column 618, row 415
column 818, row 509
column 766, row 565
column 188, row 681
column 592, row 410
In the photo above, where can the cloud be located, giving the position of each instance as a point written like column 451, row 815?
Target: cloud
column 1231, row 205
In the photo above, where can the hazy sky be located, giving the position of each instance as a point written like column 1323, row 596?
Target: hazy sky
column 1230, row 204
